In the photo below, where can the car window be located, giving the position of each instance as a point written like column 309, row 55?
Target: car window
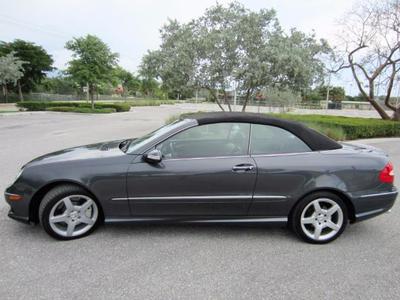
column 136, row 144
column 267, row 139
column 212, row 140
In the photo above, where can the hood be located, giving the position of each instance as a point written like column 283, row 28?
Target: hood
column 86, row 152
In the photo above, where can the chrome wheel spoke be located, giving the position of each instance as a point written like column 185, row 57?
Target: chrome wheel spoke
column 332, row 225
column 308, row 220
column 70, row 228
column 86, row 220
column 317, row 207
column 317, row 231
column 86, row 205
column 68, row 204
column 332, row 210
column 59, row 218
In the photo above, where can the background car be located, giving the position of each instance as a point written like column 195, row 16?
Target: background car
column 208, row 168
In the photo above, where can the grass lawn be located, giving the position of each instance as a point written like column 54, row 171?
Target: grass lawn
column 347, row 128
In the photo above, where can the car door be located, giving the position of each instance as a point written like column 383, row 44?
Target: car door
column 205, row 171
column 282, row 161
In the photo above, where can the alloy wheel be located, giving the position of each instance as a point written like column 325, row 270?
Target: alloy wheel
column 322, row 219
column 73, row 215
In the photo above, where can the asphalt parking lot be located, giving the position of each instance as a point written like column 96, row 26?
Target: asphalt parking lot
column 180, row 262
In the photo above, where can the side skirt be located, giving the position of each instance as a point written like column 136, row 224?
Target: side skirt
column 200, row 220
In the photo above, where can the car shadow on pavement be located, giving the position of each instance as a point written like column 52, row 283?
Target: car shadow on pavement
column 199, row 231
column 357, row 231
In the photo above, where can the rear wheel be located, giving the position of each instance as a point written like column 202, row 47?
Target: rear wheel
column 320, row 218
column 68, row 212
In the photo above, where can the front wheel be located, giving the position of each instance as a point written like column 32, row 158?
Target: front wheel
column 319, row 218
column 68, row 212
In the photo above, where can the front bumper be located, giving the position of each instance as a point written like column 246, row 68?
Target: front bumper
column 19, row 207
column 15, row 217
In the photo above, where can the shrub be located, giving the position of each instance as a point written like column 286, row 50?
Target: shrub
column 119, row 107
column 47, row 105
column 86, row 110
column 352, row 128
column 335, row 133
column 32, row 106
column 150, row 102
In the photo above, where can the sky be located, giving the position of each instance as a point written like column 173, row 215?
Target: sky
column 131, row 28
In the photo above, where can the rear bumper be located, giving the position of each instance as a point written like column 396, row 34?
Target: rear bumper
column 372, row 205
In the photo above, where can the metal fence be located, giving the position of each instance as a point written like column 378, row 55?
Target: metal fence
column 274, row 101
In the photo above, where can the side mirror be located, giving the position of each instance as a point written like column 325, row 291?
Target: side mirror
column 154, row 156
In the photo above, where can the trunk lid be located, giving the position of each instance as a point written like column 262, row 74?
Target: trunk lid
column 363, row 148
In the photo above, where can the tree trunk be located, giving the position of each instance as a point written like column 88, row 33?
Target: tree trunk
column 5, row 92
column 396, row 115
column 371, row 95
column 21, row 97
column 226, row 101
column 91, row 93
column 248, row 93
column 219, row 104
column 212, row 93
column 379, row 109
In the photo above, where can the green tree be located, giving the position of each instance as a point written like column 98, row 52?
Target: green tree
column 57, row 85
column 297, row 59
column 149, row 87
column 11, row 70
column 256, row 32
column 38, row 62
column 151, row 70
column 234, row 46
column 336, row 93
column 130, row 82
column 218, row 49
column 92, row 62
column 174, row 62
column 312, row 95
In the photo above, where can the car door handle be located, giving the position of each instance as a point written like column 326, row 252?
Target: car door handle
column 243, row 167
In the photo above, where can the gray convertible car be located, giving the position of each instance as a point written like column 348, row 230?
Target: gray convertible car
column 208, row 168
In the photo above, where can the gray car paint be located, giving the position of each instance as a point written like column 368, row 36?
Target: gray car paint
column 130, row 189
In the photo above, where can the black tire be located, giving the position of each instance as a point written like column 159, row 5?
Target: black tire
column 53, row 197
column 305, row 203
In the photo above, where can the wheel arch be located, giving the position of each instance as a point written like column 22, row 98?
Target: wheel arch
column 39, row 194
column 339, row 193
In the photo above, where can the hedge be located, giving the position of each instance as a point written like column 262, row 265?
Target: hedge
column 347, row 127
column 47, row 105
column 150, row 102
column 86, row 110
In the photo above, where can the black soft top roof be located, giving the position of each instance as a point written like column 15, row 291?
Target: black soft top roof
column 315, row 140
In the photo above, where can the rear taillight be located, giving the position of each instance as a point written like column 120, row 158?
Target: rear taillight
column 387, row 174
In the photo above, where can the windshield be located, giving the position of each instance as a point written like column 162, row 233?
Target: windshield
column 136, row 144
